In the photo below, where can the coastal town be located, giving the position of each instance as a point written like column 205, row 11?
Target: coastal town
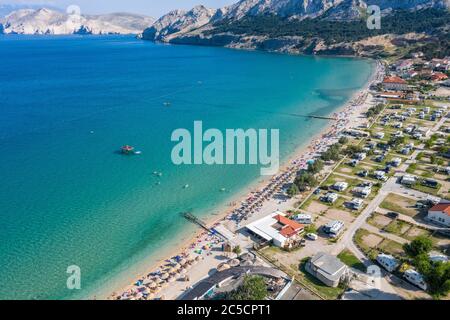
column 361, row 213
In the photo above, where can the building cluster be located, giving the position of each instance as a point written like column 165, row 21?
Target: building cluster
column 407, row 75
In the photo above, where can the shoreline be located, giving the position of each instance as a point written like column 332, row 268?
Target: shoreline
column 293, row 162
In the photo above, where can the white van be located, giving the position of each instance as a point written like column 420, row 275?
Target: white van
column 303, row 218
column 387, row 261
column 415, row 278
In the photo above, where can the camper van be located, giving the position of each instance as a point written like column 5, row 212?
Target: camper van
column 415, row 278
column 387, row 261
column 303, row 218
column 334, row 228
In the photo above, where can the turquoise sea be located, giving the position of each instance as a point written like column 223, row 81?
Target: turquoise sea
column 67, row 104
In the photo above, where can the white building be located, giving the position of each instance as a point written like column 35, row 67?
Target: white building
column 387, row 261
column 276, row 228
column 440, row 214
column 327, row 268
column 394, row 83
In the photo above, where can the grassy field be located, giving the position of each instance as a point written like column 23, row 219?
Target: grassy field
column 351, row 260
column 400, row 204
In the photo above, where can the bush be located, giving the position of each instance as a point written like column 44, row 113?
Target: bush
column 253, row 288
column 419, row 246
column 333, row 152
column 315, row 167
column 293, row 190
column 305, row 180
column 343, row 140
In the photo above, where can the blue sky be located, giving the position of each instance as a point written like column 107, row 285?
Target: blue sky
column 155, row 8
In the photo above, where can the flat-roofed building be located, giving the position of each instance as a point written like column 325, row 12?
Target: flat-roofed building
column 276, row 228
column 327, row 268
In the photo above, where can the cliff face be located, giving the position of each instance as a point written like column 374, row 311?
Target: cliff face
column 290, row 25
column 47, row 21
column 178, row 22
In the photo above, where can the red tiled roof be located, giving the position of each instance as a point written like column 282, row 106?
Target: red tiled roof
column 439, row 76
column 290, row 227
column 444, row 207
column 394, row 79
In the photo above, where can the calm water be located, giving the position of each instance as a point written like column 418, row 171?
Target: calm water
column 68, row 103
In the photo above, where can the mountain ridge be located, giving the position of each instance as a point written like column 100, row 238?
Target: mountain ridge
column 248, row 17
column 49, row 21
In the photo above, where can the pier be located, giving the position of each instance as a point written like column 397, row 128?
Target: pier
column 189, row 216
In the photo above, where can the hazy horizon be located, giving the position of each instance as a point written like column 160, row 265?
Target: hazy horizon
column 148, row 7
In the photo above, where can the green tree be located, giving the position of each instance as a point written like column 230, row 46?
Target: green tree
column 420, row 245
column 438, row 279
column 252, row 288
column 315, row 167
column 293, row 190
column 305, row 180
column 237, row 250
column 352, row 150
column 343, row 140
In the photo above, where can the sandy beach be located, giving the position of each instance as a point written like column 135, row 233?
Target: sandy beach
column 198, row 258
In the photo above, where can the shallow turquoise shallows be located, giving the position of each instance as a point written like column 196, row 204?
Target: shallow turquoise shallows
column 67, row 104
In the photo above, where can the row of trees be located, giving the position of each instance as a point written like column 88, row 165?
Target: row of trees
column 306, row 179
column 375, row 110
column 436, row 274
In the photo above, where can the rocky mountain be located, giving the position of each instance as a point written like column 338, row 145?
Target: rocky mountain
column 306, row 26
column 179, row 22
column 48, row 21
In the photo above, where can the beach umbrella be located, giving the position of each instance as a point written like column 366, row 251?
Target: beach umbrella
column 232, row 255
column 171, row 279
column 139, row 296
column 223, row 267
column 165, row 276
column 234, row 262
column 183, row 262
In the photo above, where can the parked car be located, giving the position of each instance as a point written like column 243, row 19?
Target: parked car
column 312, row 236
column 392, row 215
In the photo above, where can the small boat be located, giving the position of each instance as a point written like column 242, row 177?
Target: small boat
column 223, row 190
column 186, row 186
column 138, row 152
column 166, row 104
column 127, row 149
